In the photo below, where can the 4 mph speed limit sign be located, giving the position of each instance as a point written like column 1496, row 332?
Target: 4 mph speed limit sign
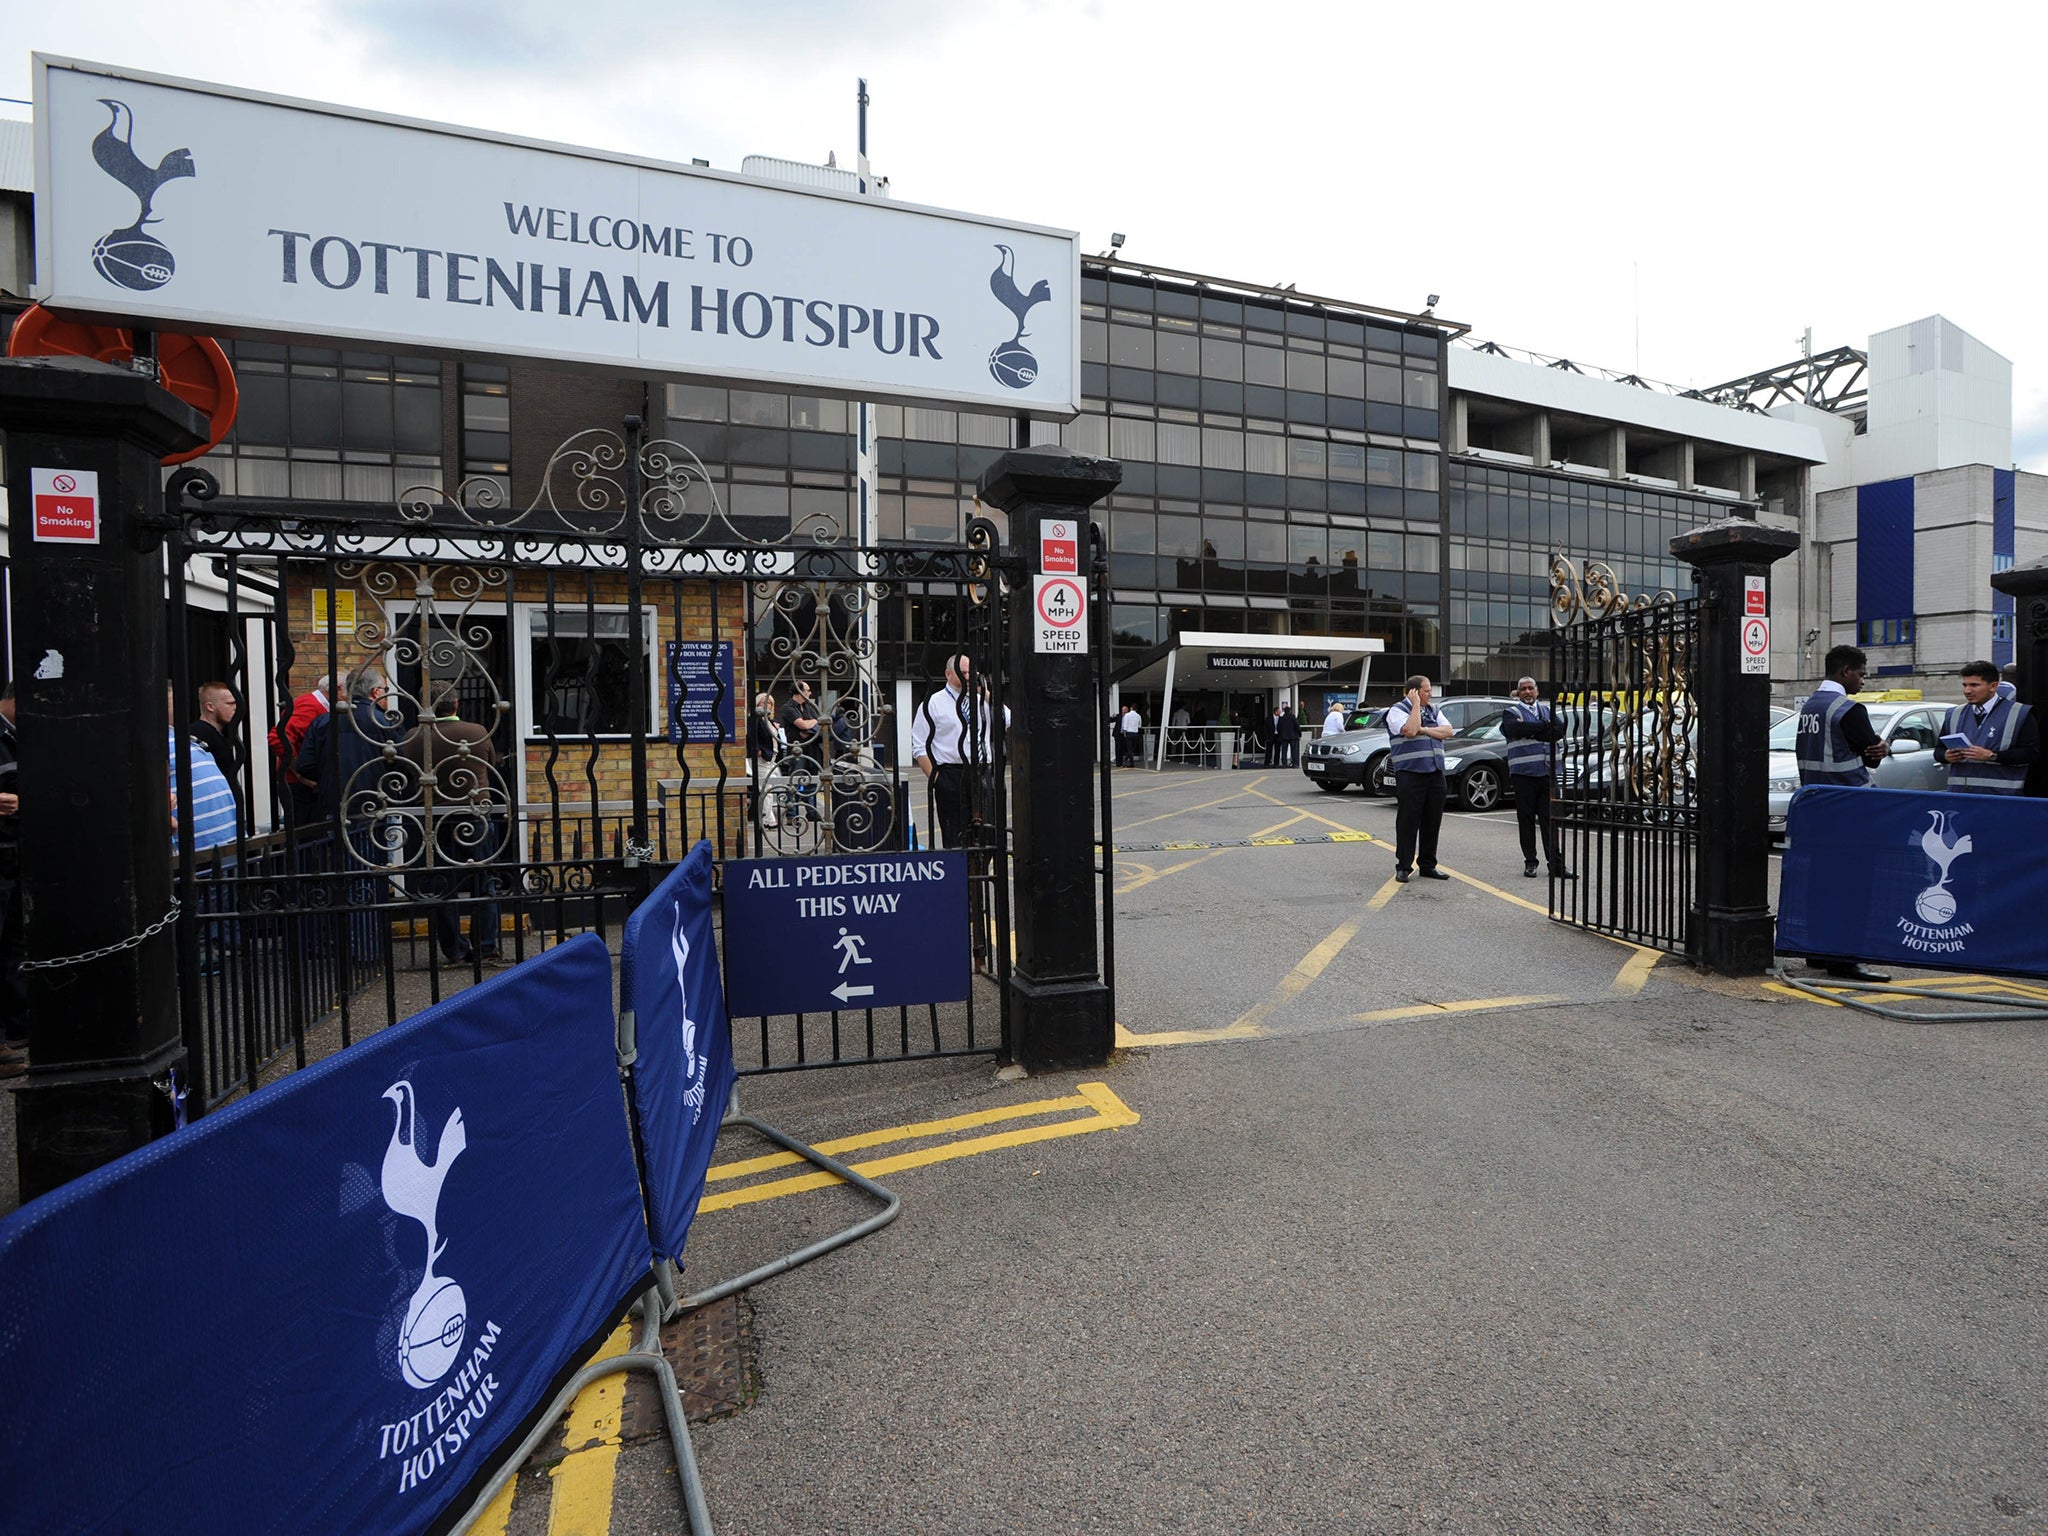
column 1060, row 606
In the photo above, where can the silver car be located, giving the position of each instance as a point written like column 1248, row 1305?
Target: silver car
column 1360, row 756
column 1911, row 730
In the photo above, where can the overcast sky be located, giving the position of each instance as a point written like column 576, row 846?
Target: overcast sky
column 1679, row 189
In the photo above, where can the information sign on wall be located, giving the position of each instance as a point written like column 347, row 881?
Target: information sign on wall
column 700, row 698
column 195, row 205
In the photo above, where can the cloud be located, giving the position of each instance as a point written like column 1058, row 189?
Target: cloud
column 478, row 37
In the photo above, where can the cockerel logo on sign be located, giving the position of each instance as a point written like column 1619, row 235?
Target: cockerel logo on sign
column 132, row 257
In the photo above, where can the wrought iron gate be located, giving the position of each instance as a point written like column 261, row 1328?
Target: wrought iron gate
column 1627, row 807
column 533, row 709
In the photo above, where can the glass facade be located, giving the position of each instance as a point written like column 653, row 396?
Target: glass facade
column 1283, row 466
column 1503, row 526
column 317, row 424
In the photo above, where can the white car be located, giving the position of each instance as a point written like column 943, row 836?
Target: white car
column 1911, row 730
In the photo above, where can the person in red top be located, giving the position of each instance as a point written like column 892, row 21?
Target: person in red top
column 285, row 740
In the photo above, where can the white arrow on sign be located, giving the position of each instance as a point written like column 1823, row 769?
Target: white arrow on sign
column 846, row 990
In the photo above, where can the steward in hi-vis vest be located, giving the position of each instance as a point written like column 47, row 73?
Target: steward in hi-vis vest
column 1530, row 727
column 1415, row 758
column 2003, row 738
column 1836, row 745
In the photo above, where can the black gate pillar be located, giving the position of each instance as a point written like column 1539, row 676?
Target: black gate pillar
column 2027, row 585
column 89, row 653
column 1733, row 931
column 1059, row 1002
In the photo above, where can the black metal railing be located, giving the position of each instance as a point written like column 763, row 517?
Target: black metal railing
column 558, row 807
column 1627, row 808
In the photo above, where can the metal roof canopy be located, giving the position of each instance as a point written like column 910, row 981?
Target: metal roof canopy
column 1221, row 660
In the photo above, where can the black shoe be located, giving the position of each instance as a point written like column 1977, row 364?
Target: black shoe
column 1856, row 973
column 13, row 1061
column 1529, row 869
column 1562, row 874
column 1434, row 874
column 1401, row 876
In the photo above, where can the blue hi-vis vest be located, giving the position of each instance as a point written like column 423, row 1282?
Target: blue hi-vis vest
column 1527, row 757
column 2001, row 726
column 1417, row 753
column 1825, row 756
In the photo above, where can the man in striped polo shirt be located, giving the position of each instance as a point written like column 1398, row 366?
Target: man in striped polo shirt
column 213, row 803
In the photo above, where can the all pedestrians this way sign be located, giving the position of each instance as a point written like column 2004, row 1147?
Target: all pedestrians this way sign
column 868, row 931
column 207, row 208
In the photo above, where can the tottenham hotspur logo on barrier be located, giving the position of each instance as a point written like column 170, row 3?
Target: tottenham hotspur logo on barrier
column 133, row 258
column 1936, row 906
column 431, row 1336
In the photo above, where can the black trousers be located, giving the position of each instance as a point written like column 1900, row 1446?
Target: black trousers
column 1532, row 808
column 1418, row 818
column 951, row 790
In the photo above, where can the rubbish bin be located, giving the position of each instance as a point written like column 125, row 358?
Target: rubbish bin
column 1226, row 749
column 869, row 808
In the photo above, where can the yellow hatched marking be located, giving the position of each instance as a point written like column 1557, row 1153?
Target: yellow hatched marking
column 1108, row 1112
column 1798, row 996
column 1469, row 1005
column 1236, row 794
column 1125, row 1039
column 1384, row 894
column 1306, row 970
column 580, row 1502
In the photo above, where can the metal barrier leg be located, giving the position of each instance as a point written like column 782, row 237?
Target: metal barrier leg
column 646, row 1356
column 892, row 1204
column 2006, row 1009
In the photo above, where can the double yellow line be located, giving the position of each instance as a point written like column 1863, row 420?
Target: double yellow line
column 1104, row 1111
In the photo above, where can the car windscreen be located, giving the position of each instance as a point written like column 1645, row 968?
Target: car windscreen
column 1785, row 734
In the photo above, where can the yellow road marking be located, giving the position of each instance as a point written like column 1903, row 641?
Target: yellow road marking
column 1798, row 996
column 1125, row 1039
column 1636, row 971
column 1108, row 1112
column 1150, row 875
column 1469, row 1005
column 949, row 1126
column 1306, row 970
column 497, row 1515
column 1384, row 894
column 580, row 1502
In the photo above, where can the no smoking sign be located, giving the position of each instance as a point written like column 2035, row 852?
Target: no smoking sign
column 1061, row 605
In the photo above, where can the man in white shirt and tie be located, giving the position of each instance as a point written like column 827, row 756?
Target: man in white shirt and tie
column 948, row 735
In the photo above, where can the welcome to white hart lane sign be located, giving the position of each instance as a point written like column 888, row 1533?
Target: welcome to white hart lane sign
column 199, row 207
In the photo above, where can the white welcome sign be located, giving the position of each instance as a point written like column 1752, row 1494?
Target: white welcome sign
column 199, row 207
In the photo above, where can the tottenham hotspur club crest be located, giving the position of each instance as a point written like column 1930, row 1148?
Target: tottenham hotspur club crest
column 1011, row 364
column 1937, row 904
column 435, row 1320
column 133, row 258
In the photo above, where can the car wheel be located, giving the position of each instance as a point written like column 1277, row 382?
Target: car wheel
column 1480, row 789
column 1328, row 788
column 1376, row 780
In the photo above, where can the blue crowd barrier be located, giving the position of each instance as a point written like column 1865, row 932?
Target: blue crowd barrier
column 669, row 976
column 1902, row 877
column 332, row 1306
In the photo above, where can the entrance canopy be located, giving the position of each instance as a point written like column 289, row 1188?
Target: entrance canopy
column 1205, row 659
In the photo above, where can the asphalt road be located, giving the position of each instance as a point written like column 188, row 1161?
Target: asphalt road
column 1662, row 1255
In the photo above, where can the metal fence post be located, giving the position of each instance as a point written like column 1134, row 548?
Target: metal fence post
column 1059, row 1004
column 1733, row 931
column 89, row 640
